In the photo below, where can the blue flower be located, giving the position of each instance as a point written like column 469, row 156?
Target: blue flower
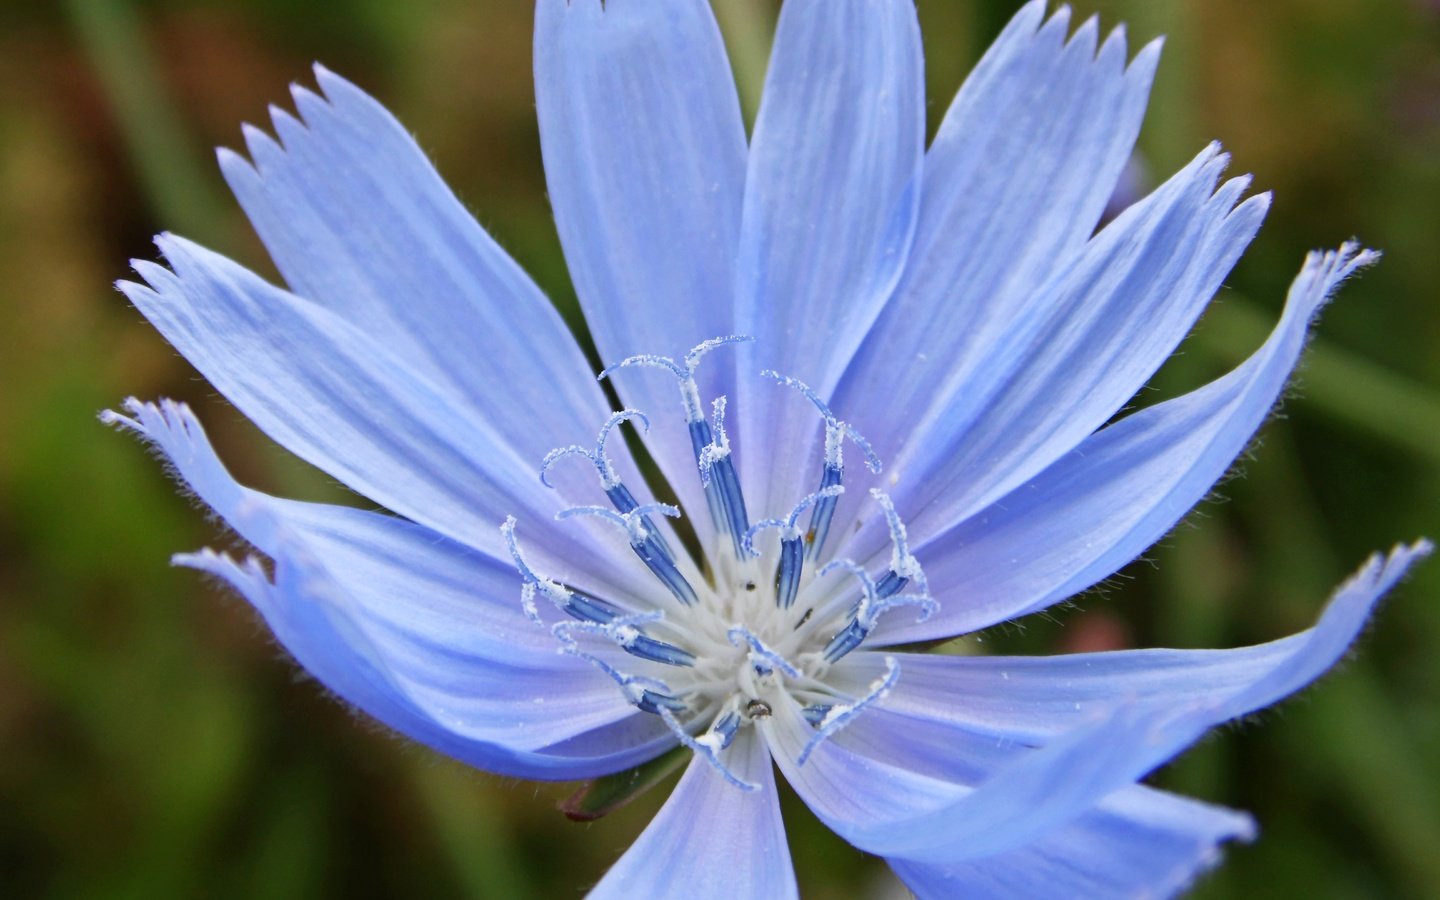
column 947, row 316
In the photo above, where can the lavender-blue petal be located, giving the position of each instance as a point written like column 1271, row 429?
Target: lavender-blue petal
column 315, row 625
column 1122, row 489
column 441, row 623
column 1015, row 181
column 644, row 154
column 1081, row 347
column 1057, row 782
column 398, row 573
column 1032, row 699
column 344, row 402
column 847, row 789
column 357, row 220
column 830, row 204
column 1137, row 842
column 711, row 841
column 1117, row 316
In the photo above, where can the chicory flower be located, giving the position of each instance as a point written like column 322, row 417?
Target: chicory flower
column 876, row 375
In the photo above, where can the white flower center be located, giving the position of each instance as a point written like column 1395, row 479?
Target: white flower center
column 752, row 636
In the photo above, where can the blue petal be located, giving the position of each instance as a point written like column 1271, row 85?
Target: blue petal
column 1034, row 699
column 1084, row 345
column 358, row 221
column 849, row 790
column 1137, row 842
column 1052, row 785
column 883, row 806
column 1015, row 181
column 314, row 622
column 741, row 852
column 1121, row 490
column 401, row 574
column 341, row 400
column 645, row 160
column 439, row 623
column 830, row 203
column 1116, row 317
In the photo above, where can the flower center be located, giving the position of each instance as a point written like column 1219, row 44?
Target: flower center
column 761, row 628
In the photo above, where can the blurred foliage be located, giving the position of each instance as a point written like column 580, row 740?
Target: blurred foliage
column 156, row 744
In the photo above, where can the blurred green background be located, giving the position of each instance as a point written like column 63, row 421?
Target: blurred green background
column 155, row 743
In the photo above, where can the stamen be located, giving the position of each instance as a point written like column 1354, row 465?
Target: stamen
column 701, row 441
column 591, row 609
column 722, row 493
column 854, row 632
column 609, row 481
column 835, row 433
column 692, row 359
column 597, row 456
column 709, row 746
column 654, row 701
column 717, row 473
column 726, row 726
column 647, row 694
column 867, row 612
column 572, row 603
column 630, row 637
column 689, row 393
column 837, row 717
column 762, row 657
column 527, row 603
column 903, row 566
column 643, row 360
column 645, row 542
column 815, row 713
column 792, row 545
column 718, row 447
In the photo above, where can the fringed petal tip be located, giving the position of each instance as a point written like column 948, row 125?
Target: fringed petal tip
column 1422, row 547
column 1381, row 572
column 170, row 429
column 238, row 573
column 151, row 421
column 1031, row 18
column 1345, row 616
column 1148, row 58
column 334, row 90
column 1324, row 271
column 1243, row 830
column 159, row 279
column 120, row 420
column 249, row 576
